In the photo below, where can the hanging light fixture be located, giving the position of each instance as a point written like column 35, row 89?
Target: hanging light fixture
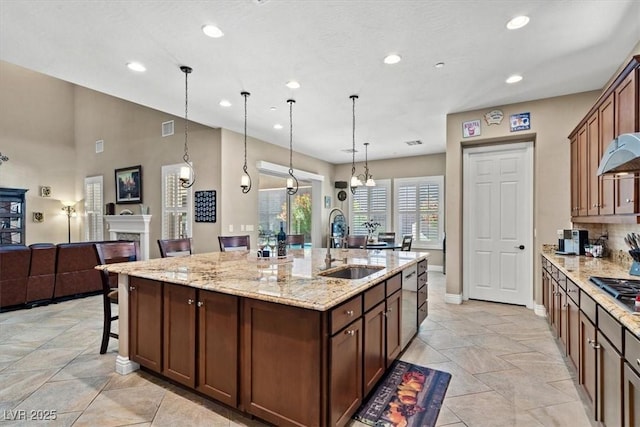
column 187, row 173
column 355, row 181
column 245, row 181
column 292, row 182
column 369, row 182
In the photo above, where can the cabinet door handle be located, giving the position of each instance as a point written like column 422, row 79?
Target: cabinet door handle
column 132, row 288
column 595, row 346
column 190, row 301
column 349, row 313
column 350, row 332
column 564, row 305
column 410, row 275
column 629, row 200
column 638, row 362
column 572, row 290
column 200, row 303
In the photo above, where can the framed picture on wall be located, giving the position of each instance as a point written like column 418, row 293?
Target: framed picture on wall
column 129, row 185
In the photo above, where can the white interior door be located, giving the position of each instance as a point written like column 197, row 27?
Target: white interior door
column 498, row 226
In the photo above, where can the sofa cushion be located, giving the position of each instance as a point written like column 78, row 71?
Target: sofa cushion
column 42, row 272
column 14, row 272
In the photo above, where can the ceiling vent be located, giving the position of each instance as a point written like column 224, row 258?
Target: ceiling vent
column 99, row 146
column 167, row 128
column 415, row 142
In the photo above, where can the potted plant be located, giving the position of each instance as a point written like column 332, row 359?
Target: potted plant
column 371, row 227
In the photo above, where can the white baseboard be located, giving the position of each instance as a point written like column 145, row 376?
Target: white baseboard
column 434, row 268
column 125, row 366
column 453, row 298
column 539, row 310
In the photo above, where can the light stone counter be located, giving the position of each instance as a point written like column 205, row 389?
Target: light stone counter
column 579, row 268
column 295, row 283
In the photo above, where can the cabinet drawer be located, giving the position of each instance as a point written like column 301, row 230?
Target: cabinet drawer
column 422, row 266
column 373, row 296
column 610, row 328
column 394, row 284
column 345, row 313
column 632, row 350
column 573, row 291
column 422, row 313
column 422, row 295
column 422, row 280
column 588, row 306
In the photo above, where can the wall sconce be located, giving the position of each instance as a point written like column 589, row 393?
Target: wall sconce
column 69, row 210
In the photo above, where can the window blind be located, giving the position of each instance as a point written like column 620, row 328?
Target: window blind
column 93, row 202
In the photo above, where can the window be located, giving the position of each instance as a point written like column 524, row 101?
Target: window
column 93, row 202
column 275, row 206
column 419, row 208
column 176, row 204
column 371, row 203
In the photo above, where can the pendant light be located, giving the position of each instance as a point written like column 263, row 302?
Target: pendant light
column 187, row 173
column 369, row 182
column 245, row 181
column 355, row 181
column 292, row 182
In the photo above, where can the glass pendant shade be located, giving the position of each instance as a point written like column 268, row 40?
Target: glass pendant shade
column 370, row 182
column 355, row 181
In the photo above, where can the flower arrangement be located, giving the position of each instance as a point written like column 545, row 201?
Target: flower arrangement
column 371, row 227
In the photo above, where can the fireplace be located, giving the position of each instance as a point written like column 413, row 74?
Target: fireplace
column 130, row 227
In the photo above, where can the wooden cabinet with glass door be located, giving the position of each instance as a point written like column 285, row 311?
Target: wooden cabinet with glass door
column 12, row 208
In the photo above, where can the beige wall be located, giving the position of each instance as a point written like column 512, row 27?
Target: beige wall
column 36, row 123
column 405, row 167
column 551, row 121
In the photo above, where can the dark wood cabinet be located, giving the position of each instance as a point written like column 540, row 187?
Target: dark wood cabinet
column 145, row 322
column 345, row 392
column 610, row 368
column 607, row 133
column 610, row 198
column 587, row 365
column 394, row 326
column 12, row 216
column 179, row 338
column 631, row 380
column 423, row 292
column 572, row 312
column 281, row 372
column 218, row 332
column 374, row 352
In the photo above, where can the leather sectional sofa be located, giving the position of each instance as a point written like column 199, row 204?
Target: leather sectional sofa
column 45, row 272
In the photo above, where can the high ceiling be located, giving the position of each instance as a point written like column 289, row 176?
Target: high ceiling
column 334, row 49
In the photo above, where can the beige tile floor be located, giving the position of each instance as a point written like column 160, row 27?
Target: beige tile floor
column 506, row 370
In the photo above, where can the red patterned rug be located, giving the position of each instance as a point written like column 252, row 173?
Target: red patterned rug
column 408, row 396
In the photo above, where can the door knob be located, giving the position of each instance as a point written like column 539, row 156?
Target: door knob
column 521, row 247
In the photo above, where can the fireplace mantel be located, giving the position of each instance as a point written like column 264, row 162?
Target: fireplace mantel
column 124, row 226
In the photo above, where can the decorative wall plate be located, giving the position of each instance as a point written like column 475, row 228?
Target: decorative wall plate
column 342, row 195
column 45, row 191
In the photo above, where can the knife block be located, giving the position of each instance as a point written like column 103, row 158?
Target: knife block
column 635, row 268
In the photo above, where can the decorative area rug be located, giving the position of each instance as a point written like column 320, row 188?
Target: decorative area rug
column 408, row 396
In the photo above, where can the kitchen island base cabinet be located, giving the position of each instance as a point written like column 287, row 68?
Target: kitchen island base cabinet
column 145, row 323
column 374, row 356
column 281, row 364
column 179, row 324
column 218, row 346
column 345, row 390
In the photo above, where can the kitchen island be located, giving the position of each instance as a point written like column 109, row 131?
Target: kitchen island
column 278, row 340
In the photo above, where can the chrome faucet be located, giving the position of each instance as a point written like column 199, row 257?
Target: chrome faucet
column 328, row 259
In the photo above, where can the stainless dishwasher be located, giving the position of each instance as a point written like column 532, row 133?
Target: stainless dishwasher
column 409, row 304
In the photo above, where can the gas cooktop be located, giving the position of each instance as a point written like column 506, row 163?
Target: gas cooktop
column 623, row 290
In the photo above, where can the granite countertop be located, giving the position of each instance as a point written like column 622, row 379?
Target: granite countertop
column 294, row 282
column 580, row 268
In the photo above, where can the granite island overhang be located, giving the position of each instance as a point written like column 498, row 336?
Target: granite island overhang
column 304, row 311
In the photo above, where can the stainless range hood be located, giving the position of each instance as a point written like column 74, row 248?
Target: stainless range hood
column 622, row 155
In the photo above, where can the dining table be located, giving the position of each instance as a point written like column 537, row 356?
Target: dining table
column 382, row 245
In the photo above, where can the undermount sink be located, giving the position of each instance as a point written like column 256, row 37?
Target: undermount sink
column 352, row 271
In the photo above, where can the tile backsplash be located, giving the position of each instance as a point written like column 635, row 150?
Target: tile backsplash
column 615, row 243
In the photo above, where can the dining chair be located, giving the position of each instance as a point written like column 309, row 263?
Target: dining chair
column 295, row 239
column 356, row 241
column 387, row 237
column 406, row 242
column 174, row 247
column 234, row 243
column 109, row 253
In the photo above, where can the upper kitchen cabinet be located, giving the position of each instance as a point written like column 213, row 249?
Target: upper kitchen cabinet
column 608, row 198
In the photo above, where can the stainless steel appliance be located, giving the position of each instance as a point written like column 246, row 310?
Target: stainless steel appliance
column 409, row 304
column 624, row 291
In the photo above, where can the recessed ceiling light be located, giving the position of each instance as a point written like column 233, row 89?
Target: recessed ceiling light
column 273, row 108
column 225, row 103
column 518, row 22
column 277, row 126
column 514, row 79
column 439, row 65
column 292, row 84
column 212, row 31
column 136, row 66
column 392, row 59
